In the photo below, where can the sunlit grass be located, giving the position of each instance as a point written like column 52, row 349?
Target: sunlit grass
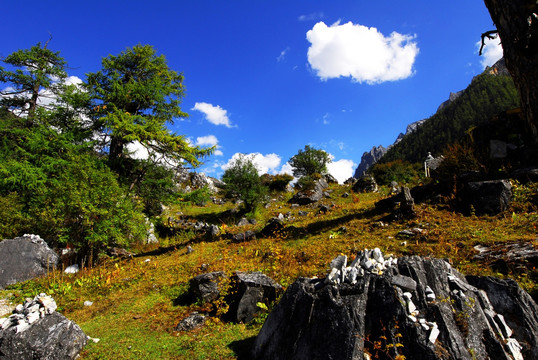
column 135, row 309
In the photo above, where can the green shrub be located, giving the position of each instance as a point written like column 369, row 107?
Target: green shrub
column 277, row 182
column 198, row 197
column 243, row 183
column 400, row 171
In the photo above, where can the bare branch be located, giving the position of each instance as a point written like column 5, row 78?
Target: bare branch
column 492, row 34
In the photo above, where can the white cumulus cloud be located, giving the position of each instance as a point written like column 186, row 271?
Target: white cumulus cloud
column 266, row 164
column 342, row 169
column 214, row 114
column 491, row 52
column 360, row 52
column 209, row 140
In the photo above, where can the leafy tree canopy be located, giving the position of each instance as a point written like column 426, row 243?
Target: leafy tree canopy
column 135, row 96
column 309, row 161
column 38, row 73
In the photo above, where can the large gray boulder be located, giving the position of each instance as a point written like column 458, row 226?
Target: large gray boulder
column 25, row 258
column 364, row 184
column 420, row 308
column 312, row 195
column 37, row 331
column 249, row 289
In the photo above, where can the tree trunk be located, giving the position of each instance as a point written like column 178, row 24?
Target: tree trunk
column 116, row 148
column 517, row 23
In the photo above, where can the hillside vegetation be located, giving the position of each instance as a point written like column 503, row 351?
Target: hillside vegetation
column 485, row 97
column 137, row 302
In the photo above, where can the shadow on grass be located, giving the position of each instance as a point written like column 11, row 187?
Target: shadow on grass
column 316, row 227
column 242, row 348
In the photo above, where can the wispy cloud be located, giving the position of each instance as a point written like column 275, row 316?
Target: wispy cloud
column 311, row 16
column 214, row 114
column 326, row 119
column 360, row 52
column 283, row 54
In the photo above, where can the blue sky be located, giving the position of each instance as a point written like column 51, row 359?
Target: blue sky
column 269, row 77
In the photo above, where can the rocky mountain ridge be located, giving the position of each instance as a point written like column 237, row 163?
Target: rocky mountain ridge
column 377, row 152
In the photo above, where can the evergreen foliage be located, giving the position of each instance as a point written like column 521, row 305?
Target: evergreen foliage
column 309, row 161
column 243, row 183
column 485, row 97
column 56, row 179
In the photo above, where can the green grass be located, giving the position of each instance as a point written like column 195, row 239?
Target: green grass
column 136, row 305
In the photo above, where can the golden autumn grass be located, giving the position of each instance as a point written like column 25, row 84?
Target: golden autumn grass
column 137, row 302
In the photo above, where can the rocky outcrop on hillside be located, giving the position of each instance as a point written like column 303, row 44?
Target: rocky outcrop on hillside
column 377, row 152
column 243, row 292
column 368, row 159
column 453, row 96
column 37, row 331
column 382, row 307
column 192, row 180
column 25, row 258
column 311, row 195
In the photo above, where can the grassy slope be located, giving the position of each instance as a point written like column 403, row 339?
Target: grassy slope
column 137, row 302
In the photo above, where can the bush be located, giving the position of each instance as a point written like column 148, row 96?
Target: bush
column 243, row 183
column 198, row 197
column 277, row 182
column 308, row 182
column 458, row 159
column 400, row 171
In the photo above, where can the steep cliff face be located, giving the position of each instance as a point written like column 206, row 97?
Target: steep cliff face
column 368, row 159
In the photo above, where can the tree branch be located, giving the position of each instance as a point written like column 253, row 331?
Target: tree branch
column 492, row 34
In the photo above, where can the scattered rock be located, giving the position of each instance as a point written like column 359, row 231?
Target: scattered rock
column 310, row 196
column 244, row 236
column 72, row 269
column 330, row 179
column 25, row 258
column 119, row 253
column 191, row 322
column 273, row 227
column 520, row 256
column 243, row 222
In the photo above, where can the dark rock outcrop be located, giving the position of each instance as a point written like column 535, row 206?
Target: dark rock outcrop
column 242, row 292
column 249, row 289
column 366, row 183
column 37, row 331
column 206, row 287
column 25, row 258
column 486, row 197
column 420, row 308
column 312, row 195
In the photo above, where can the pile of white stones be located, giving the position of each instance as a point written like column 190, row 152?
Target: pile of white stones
column 28, row 313
column 371, row 261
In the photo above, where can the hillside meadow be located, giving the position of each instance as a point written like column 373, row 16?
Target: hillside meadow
column 138, row 301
